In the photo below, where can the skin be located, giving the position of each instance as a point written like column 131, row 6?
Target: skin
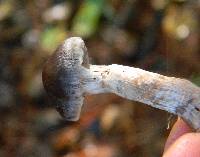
column 182, row 142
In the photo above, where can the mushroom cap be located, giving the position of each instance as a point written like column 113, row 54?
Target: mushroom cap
column 62, row 77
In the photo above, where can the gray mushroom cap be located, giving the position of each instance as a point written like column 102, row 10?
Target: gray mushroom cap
column 62, row 75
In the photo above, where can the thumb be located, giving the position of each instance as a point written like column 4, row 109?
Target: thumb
column 180, row 128
column 185, row 146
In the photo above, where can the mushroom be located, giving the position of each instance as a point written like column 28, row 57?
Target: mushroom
column 68, row 77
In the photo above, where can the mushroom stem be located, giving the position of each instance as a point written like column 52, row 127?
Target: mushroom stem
column 67, row 78
column 177, row 96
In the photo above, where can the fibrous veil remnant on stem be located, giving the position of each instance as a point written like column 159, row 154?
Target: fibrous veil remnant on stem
column 68, row 77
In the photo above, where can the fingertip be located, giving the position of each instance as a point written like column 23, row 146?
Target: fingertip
column 186, row 146
column 180, row 128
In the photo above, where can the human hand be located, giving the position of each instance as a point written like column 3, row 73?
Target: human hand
column 182, row 142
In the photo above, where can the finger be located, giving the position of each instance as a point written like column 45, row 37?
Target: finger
column 185, row 146
column 179, row 128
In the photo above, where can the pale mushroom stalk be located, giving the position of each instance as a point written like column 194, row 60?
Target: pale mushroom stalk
column 68, row 77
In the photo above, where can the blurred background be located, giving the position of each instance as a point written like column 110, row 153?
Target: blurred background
column 156, row 35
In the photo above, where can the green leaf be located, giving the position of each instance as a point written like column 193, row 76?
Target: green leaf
column 52, row 37
column 196, row 79
column 86, row 20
